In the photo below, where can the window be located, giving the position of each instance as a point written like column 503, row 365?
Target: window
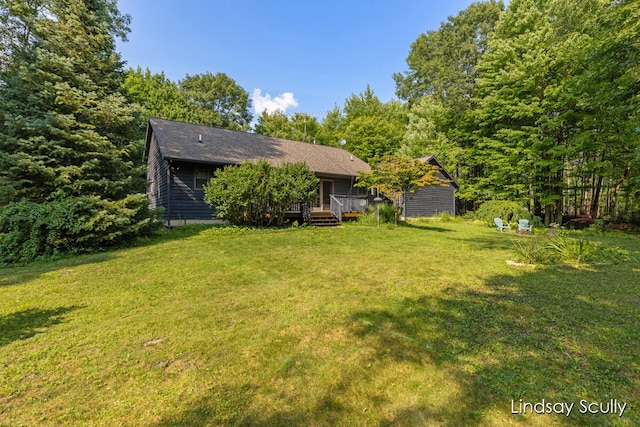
column 201, row 178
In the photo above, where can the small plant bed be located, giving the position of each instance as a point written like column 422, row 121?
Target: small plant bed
column 562, row 249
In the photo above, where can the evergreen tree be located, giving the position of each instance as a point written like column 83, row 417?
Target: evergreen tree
column 66, row 131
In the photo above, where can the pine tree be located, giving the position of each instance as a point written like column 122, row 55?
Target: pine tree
column 66, row 130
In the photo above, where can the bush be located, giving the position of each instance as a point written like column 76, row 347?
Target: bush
column 536, row 221
column 259, row 194
column 507, row 210
column 30, row 230
column 601, row 224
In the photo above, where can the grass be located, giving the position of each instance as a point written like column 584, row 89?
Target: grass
column 423, row 324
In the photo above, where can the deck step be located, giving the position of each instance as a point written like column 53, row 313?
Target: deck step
column 324, row 220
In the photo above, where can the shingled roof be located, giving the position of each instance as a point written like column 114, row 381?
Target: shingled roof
column 434, row 161
column 206, row 144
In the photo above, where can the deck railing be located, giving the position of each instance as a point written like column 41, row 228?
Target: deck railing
column 336, row 207
column 343, row 204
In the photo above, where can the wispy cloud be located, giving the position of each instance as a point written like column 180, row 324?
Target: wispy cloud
column 266, row 102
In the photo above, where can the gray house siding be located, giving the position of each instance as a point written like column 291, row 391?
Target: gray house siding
column 430, row 201
column 344, row 187
column 156, row 177
column 187, row 201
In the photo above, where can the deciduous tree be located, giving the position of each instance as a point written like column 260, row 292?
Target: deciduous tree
column 396, row 176
column 218, row 100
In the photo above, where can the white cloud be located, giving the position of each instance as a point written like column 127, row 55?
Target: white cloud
column 280, row 102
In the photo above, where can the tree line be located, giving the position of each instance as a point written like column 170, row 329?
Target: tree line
column 536, row 102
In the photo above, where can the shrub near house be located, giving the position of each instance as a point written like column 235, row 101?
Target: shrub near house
column 260, row 194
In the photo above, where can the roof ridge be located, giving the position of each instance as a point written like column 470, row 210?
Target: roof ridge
column 246, row 133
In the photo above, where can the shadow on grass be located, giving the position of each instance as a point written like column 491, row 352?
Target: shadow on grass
column 489, row 243
column 17, row 274
column 425, row 227
column 222, row 406
column 552, row 334
column 27, row 323
column 562, row 336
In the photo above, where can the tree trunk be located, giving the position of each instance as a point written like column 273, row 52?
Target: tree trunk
column 595, row 201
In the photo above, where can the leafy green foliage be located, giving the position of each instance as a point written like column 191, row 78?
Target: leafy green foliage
column 563, row 249
column 443, row 62
column 370, row 128
column 542, row 127
column 158, row 96
column 396, row 176
column 299, row 127
column 218, row 100
column 260, row 194
column 537, row 104
column 31, row 230
column 426, row 134
column 507, row 210
column 207, row 99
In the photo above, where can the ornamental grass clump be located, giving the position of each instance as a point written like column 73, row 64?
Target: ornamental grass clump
column 386, row 211
column 571, row 251
column 530, row 252
column 562, row 249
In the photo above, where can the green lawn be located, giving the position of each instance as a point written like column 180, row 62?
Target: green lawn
column 414, row 325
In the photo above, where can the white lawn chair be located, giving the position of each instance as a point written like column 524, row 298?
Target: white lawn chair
column 500, row 225
column 523, row 225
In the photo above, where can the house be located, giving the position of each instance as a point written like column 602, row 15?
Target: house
column 181, row 158
column 430, row 201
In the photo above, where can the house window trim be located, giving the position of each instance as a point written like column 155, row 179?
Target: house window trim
column 196, row 179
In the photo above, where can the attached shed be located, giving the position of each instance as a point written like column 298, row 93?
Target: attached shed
column 430, row 201
column 182, row 157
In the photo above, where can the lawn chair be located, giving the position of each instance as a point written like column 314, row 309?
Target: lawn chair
column 500, row 225
column 523, row 225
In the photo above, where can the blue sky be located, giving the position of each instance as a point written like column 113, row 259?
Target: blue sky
column 293, row 55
